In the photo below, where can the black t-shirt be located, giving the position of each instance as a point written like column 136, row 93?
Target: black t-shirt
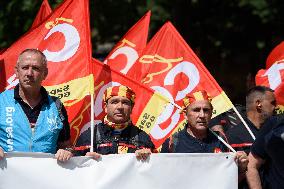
column 239, row 137
column 185, row 143
column 269, row 146
column 228, row 119
column 33, row 113
column 109, row 141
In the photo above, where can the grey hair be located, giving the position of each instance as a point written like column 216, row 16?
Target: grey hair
column 35, row 51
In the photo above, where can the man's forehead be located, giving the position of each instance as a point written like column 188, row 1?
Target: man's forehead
column 200, row 103
column 118, row 98
column 30, row 56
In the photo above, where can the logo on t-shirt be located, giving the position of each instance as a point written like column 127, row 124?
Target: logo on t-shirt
column 53, row 123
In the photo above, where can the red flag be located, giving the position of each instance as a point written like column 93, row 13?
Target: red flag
column 273, row 77
column 168, row 65
column 130, row 47
column 276, row 55
column 144, row 113
column 65, row 40
column 43, row 13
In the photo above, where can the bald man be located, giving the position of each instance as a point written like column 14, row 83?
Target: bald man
column 196, row 137
column 30, row 119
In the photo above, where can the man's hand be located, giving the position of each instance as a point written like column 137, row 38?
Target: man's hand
column 242, row 161
column 94, row 155
column 63, row 155
column 1, row 153
column 142, row 154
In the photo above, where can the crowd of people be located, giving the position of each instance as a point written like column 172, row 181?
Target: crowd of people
column 33, row 121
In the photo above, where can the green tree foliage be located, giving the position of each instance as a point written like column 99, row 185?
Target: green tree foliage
column 232, row 38
column 16, row 17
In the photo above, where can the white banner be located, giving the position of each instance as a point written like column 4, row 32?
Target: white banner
column 165, row 171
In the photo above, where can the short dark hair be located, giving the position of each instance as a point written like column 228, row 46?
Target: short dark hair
column 256, row 92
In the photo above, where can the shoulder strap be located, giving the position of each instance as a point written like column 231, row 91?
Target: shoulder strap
column 97, row 134
column 59, row 106
column 173, row 142
column 135, row 134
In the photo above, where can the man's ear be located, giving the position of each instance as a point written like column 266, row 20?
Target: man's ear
column 16, row 71
column 258, row 105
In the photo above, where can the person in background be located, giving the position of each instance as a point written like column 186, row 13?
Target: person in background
column 260, row 105
column 268, row 151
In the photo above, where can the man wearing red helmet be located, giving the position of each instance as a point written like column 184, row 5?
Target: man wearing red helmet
column 116, row 134
column 196, row 137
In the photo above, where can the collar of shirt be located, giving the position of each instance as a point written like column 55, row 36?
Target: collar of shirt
column 43, row 92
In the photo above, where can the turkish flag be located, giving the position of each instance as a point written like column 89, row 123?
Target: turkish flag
column 44, row 11
column 169, row 65
column 130, row 47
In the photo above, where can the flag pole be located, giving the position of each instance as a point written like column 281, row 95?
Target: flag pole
column 234, row 108
column 243, row 121
column 92, row 123
column 223, row 141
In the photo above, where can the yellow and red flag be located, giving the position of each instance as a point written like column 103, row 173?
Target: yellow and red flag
column 44, row 11
column 169, row 65
column 64, row 38
column 273, row 75
column 148, row 104
column 130, row 47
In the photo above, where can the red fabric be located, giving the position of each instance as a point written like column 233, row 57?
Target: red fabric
column 115, row 125
column 71, row 37
column 104, row 78
column 115, row 91
column 275, row 57
column 130, row 46
column 68, row 67
column 190, row 98
column 169, row 65
column 217, row 150
column 241, row 145
column 262, row 78
column 81, row 148
column 276, row 54
column 44, row 11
